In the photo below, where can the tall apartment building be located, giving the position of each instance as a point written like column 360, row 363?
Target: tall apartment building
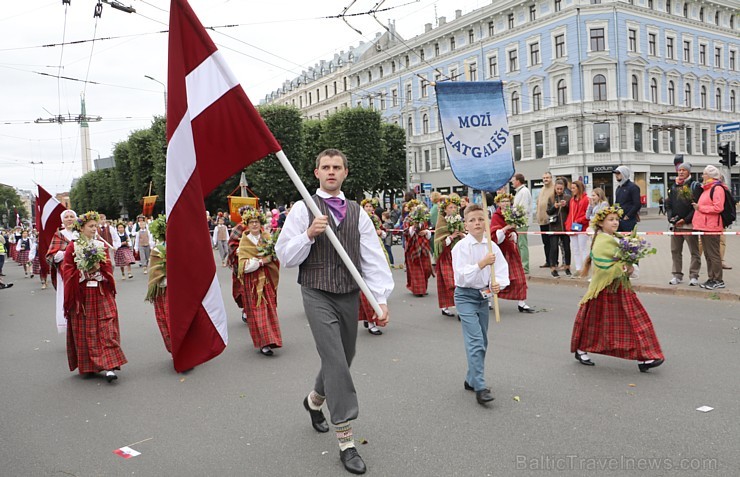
column 589, row 85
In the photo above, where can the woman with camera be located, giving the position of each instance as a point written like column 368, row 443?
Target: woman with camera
column 557, row 211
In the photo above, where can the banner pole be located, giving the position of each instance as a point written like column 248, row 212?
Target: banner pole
column 490, row 250
column 329, row 232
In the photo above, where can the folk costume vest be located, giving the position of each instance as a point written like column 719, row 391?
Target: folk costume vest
column 323, row 268
column 104, row 232
column 143, row 238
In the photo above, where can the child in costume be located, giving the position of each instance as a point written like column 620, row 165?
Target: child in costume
column 418, row 251
column 366, row 310
column 448, row 231
column 124, row 255
column 157, row 290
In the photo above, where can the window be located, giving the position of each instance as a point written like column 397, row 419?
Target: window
column 733, row 53
column 410, row 130
column 436, row 49
column 703, row 55
column 453, row 74
column 424, row 88
column 560, row 45
column 637, row 133
column 534, row 54
column 492, row 67
column 490, row 29
column 452, row 43
column 597, row 39
column 668, row 6
column 442, row 158
column 532, row 13
column 539, row 145
column 671, row 93
column 407, row 61
column 394, row 97
column 601, row 137
column 421, row 54
column 310, row 99
column 326, row 91
column 718, row 100
column 536, row 98
column 393, row 66
column 717, row 57
column 669, row 53
column 515, row 103
column 517, row 147
column 650, row 5
column 427, row 160
column 654, row 91
column 687, row 95
column 369, row 76
column 382, row 102
column 561, row 136
column 558, row 5
column 704, row 141
column 632, row 38
column 335, row 87
column 652, row 49
column 358, row 80
column 513, row 60
column 685, row 9
column 471, row 36
column 599, row 88
column 425, row 124
column 408, row 94
column 672, row 141
column 686, row 51
column 635, row 88
column 689, row 145
column 701, row 14
column 716, row 17
column 655, row 137
column 511, row 20
column 562, row 93
column 473, row 70
column 732, row 101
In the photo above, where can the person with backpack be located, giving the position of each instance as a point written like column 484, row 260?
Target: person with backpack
column 680, row 211
column 711, row 215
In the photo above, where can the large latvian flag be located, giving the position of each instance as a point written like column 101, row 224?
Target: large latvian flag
column 476, row 133
column 213, row 131
column 48, row 220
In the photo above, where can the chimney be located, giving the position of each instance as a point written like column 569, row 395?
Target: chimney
column 458, row 14
column 442, row 20
column 427, row 27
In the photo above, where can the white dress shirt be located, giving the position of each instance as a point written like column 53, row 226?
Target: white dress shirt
column 151, row 240
column 293, row 247
column 465, row 257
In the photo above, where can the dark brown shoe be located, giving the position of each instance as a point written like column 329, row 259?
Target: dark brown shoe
column 318, row 421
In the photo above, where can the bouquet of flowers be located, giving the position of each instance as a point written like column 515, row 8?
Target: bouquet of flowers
column 515, row 216
column 88, row 254
column 266, row 247
column 455, row 223
column 376, row 221
column 685, row 193
column 632, row 248
column 419, row 217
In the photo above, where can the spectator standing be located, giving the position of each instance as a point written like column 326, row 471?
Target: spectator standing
column 628, row 198
column 707, row 218
column 548, row 190
column 523, row 197
column 680, row 212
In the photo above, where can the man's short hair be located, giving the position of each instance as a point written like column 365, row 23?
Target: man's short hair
column 331, row 153
column 473, row 208
column 519, row 177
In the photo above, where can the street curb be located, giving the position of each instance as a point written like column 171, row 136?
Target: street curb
column 698, row 293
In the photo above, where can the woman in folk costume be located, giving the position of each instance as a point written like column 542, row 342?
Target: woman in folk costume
column 54, row 257
column 367, row 314
column 15, row 237
column 505, row 236
column 124, row 255
column 259, row 274
column 236, row 284
column 23, row 249
column 611, row 320
column 36, row 262
column 93, row 337
column 157, row 290
column 448, row 231
column 417, row 254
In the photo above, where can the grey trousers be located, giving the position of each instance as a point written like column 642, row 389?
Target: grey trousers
column 333, row 321
column 144, row 252
column 677, row 242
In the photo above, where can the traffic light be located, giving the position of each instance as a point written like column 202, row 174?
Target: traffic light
column 732, row 159
column 723, row 151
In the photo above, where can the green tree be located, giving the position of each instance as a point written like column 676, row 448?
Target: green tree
column 10, row 201
column 313, row 136
column 393, row 165
column 97, row 190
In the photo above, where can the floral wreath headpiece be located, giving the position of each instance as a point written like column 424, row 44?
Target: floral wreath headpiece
column 447, row 200
column 158, row 228
column 408, row 206
column 604, row 213
column 502, row 196
column 85, row 218
column 374, row 201
column 253, row 214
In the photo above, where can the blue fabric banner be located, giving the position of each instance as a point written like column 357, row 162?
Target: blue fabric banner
column 476, row 133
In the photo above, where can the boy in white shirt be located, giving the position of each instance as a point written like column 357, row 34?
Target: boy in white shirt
column 471, row 263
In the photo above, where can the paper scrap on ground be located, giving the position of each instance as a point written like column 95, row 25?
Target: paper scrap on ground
column 126, row 452
column 704, row 409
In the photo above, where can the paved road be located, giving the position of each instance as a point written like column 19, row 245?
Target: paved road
column 241, row 413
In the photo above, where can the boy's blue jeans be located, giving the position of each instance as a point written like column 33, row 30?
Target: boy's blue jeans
column 473, row 311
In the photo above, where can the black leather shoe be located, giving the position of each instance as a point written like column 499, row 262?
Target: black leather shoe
column 318, row 421
column 468, row 387
column 527, row 309
column 586, row 361
column 244, row 317
column 352, row 461
column 484, row 396
column 375, row 331
column 645, row 366
column 266, row 351
column 110, row 376
column 447, row 312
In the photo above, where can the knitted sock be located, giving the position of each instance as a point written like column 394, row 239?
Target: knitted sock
column 344, row 435
column 315, row 400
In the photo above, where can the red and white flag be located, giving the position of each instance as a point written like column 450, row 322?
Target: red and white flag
column 48, row 220
column 213, row 131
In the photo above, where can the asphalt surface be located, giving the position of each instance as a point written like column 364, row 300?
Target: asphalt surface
column 241, row 413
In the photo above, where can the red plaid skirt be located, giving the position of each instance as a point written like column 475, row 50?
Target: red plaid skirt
column 445, row 279
column 162, row 315
column 366, row 311
column 517, row 289
column 262, row 320
column 615, row 324
column 36, row 265
column 12, row 252
column 237, row 289
column 124, row 257
column 22, row 257
column 93, row 336
column 418, row 266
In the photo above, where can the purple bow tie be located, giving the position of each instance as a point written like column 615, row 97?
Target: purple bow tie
column 337, row 206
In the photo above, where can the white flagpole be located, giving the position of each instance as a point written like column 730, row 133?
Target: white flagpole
column 329, row 232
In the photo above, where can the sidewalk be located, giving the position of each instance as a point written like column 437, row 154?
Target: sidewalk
column 655, row 270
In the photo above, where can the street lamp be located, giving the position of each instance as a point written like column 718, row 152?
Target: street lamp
column 165, row 91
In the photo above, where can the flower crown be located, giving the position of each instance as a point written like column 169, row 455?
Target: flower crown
column 603, row 213
column 408, row 206
column 374, row 201
column 85, row 218
column 158, row 228
column 253, row 214
column 503, row 196
column 447, row 200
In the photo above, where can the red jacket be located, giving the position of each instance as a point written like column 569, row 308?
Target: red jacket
column 707, row 214
column 577, row 212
